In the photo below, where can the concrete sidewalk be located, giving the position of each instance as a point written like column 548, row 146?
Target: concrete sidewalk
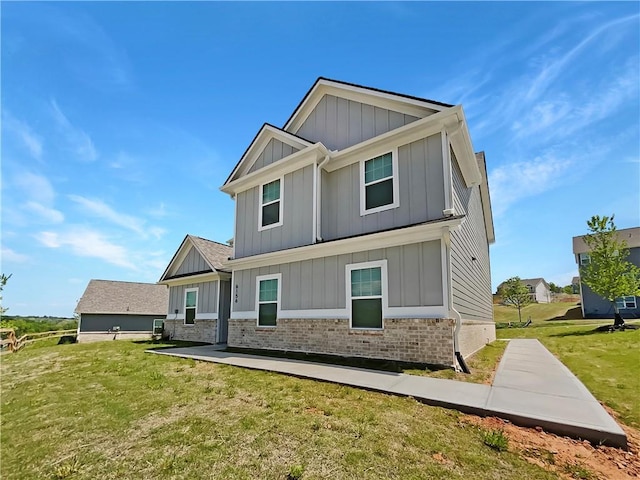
column 531, row 388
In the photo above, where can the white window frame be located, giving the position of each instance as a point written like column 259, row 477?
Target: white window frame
column 382, row 264
column 260, row 278
column 395, row 183
column 262, row 205
column 584, row 259
column 627, row 302
column 184, row 306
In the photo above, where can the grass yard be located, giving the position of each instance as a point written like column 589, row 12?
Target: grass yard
column 607, row 363
column 108, row 410
column 540, row 312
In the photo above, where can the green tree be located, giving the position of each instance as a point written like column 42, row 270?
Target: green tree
column 514, row 292
column 555, row 288
column 609, row 274
column 3, row 281
column 568, row 289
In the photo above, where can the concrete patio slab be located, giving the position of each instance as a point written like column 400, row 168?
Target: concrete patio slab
column 531, row 388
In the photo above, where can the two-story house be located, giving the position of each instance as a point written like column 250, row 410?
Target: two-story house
column 594, row 306
column 362, row 229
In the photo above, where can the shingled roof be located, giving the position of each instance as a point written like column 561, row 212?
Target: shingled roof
column 108, row 296
column 213, row 252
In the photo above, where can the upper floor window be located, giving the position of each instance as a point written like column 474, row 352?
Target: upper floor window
column 626, row 302
column 268, row 299
column 379, row 184
column 585, row 259
column 366, row 294
column 190, row 305
column 270, row 212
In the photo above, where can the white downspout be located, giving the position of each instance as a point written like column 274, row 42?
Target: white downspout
column 318, row 202
column 453, row 313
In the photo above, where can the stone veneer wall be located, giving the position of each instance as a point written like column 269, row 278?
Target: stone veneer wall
column 200, row 331
column 407, row 340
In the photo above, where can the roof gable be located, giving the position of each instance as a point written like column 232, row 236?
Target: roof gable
column 264, row 150
column 113, row 297
column 396, row 102
column 195, row 256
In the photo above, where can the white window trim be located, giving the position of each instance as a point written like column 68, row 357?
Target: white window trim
column 584, row 259
column 260, row 278
column 261, row 205
column 623, row 301
column 385, row 294
column 395, row 183
column 184, row 306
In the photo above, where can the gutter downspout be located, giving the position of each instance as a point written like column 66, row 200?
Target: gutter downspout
column 453, row 313
column 318, row 205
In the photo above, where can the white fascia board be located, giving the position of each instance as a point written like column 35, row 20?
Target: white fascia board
column 296, row 161
column 199, row 278
column 389, row 101
column 462, row 146
column 392, row 238
column 267, row 133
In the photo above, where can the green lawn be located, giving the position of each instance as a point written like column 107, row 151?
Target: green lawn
column 607, row 363
column 539, row 312
column 108, row 410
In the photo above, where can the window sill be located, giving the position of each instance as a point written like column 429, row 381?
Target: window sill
column 382, row 208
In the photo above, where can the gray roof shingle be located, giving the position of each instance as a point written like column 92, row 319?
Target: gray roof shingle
column 108, row 296
column 213, row 252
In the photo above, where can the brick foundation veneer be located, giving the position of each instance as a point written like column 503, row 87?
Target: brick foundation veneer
column 200, row 331
column 407, row 340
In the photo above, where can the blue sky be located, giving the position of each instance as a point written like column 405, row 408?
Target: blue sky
column 121, row 120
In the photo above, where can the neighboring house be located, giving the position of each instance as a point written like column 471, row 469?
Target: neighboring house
column 110, row 310
column 539, row 290
column 199, row 291
column 362, row 229
column 575, row 285
column 594, row 306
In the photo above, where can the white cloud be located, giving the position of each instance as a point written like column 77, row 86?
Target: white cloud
column 23, row 132
column 516, row 181
column 77, row 139
column 11, row 256
column 45, row 213
column 36, row 187
column 104, row 211
column 88, row 243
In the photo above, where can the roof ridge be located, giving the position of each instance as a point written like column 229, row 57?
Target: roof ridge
column 207, row 240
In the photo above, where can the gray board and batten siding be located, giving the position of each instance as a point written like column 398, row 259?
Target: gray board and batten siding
column 274, row 150
column 297, row 213
column 94, row 322
column 414, row 279
column 193, row 263
column 420, row 190
column 340, row 123
column 471, row 279
column 207, row 297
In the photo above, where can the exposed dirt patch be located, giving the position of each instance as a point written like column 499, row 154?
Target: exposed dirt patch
column 569, row 458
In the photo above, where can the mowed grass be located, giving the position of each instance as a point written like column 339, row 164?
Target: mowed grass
column 607, row 363
column 108, row 410
column 540, row 312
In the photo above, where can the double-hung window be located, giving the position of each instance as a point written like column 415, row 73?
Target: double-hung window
column 585, row 259
column 366, row 291
column 268, row 299
column 626, row 302
column 270, row 205
column 190, row 305
column 379, row 184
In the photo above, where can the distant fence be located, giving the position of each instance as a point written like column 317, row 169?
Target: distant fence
column 13, row 344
